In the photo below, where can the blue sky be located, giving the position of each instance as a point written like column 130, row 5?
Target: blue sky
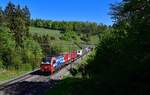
column 68, row 10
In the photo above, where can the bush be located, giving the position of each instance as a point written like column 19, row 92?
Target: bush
column 69, row 35
column 52, row 38
column 1, row 64
column 7, row 45
column 117, row 62
column 16, row 58
column 32, row 52
column 55, row 50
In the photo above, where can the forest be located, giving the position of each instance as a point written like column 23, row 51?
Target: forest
column 18, row 49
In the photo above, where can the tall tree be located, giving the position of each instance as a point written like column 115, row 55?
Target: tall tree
column 26, row 15
column 18, row 21
column 1, row 15
column 10, row 15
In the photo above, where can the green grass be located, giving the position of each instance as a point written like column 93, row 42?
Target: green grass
column 94, row 39
column 43, row 31
column 9, row 74
column 87, row 58
column 74, row 86
column 65, row 45
column 12, row 73
column 63, row 87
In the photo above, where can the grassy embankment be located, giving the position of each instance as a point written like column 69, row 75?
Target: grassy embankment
column 12, row 73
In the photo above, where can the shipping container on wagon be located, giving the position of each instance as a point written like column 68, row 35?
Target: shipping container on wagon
column 73, row 55
column 67, row 57
column 59, row 62
column 79, row 52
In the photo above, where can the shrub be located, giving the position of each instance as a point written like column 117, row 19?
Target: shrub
column 52, row 38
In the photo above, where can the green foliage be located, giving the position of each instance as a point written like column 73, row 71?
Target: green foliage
column 6, row 39
column 32, row 52
column 15, row 50
column 1, row 16
column 17, row 20
column 52, row 38
column 1, row 64
column 94, row 39
column 55, row 50
column 7, row 46
column 79, row 27
column 69, row 35
column 12, row 56
column 122, row 55
column 85, row 37
column 16, row 59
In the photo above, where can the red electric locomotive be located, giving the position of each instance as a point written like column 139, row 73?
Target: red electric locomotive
column 47, row 64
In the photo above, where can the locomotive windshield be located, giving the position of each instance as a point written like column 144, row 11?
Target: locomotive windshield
column 46, row 60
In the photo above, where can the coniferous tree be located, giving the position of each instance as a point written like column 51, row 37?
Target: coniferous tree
column 18, row 21
column 26, row 15
column 1, row 16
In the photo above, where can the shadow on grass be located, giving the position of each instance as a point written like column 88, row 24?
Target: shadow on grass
column 76, row 86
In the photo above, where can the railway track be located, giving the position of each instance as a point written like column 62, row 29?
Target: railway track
column 18, row 79
column 34, row 83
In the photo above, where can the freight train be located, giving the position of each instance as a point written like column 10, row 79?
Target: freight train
column 52, row 63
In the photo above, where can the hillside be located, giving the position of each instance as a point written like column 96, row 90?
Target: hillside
column 66, row 45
